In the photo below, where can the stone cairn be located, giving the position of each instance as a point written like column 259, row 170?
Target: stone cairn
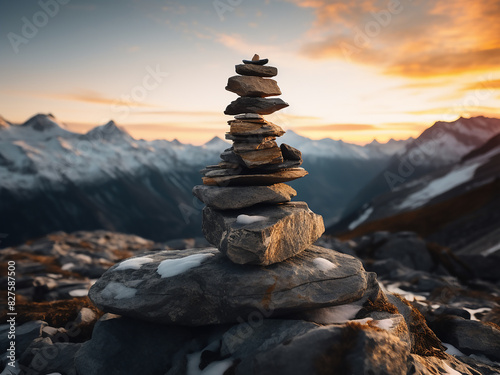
column 248, row 214
column 266, row 301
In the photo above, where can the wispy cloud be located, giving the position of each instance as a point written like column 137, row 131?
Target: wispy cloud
column 415, row 39
column 476, row 110
column 337, row 127
column 179, row 113
column 94, row 97
column 483, row 85
column 172, row 127
column 85, row 96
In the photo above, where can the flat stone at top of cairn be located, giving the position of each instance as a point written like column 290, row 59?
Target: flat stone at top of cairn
column 249, row 181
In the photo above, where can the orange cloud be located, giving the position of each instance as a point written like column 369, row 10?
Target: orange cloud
column 179, row 113
column 94, row 97
column 475, row 110
column 484, row 85
column 171, row 127
column 337, row 127
column 407, row 38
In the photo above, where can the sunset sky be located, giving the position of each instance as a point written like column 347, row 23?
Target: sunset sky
column 351, row 70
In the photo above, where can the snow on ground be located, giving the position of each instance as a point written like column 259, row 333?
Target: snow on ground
column 334, row 314
column 246, row 219
column 384, row 324
column 491, row 250
column 174, row 267
column 79, row 293
column 394, row 288
column 449, row 370
column 451, row 350
column 214, row 368
column 133, row 263
column 440, row 185
column 473, row 312
column 118, row 291
column 324, row 264
column 365, row 215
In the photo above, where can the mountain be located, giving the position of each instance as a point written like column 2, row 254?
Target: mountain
column 337, row 171
column 333, row 149
column 440, row 146
column 457, row 205
column 53, row 179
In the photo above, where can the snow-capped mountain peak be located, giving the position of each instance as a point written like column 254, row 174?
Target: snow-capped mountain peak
column 339, row 149
column 217, row 143
column 109, row 131
column 42, row 122
column 4, row 124
column 445, row 143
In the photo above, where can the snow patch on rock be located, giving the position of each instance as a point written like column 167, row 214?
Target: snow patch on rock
column 247, row 219
column 324, row 264
column 118, row 291
column 174, row 267
column 133, row 263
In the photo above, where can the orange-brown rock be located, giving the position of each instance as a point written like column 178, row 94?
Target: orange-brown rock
column 262, row 179
column 240, row 128
column 253, row 86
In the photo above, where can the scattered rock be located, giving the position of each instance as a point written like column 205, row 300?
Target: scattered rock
column 217, row 291
column 45, row 357
column 123, row 346
column 470, row 337
column 280, row 233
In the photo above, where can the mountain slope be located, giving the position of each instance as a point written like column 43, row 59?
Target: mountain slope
column 455, row 206
column 437, row 148
column 53, row 179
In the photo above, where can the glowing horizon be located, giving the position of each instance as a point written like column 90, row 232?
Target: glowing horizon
column 354, row 71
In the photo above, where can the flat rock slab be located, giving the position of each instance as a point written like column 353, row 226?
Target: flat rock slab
column 214, row 290
column 260, row 157
column 245, row 128
column 260, row 106
column 263, row 235
column 253, row 86
column 256, row 70
column 260, row 179
column 237, row 197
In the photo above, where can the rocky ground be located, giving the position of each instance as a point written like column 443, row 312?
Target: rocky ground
column 431, row 311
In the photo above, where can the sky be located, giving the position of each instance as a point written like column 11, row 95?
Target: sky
column 353, row 70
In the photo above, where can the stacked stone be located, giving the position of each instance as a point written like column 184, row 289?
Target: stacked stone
column 248, row 214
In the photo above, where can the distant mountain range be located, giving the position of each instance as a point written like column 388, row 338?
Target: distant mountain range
column 53, row 179
column 451, row 196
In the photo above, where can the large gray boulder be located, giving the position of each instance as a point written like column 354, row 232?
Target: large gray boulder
column 237, row 197
column 121, row 346
column 469, row 336
column 200, row 287
column 354, row 349
column 263, row 235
